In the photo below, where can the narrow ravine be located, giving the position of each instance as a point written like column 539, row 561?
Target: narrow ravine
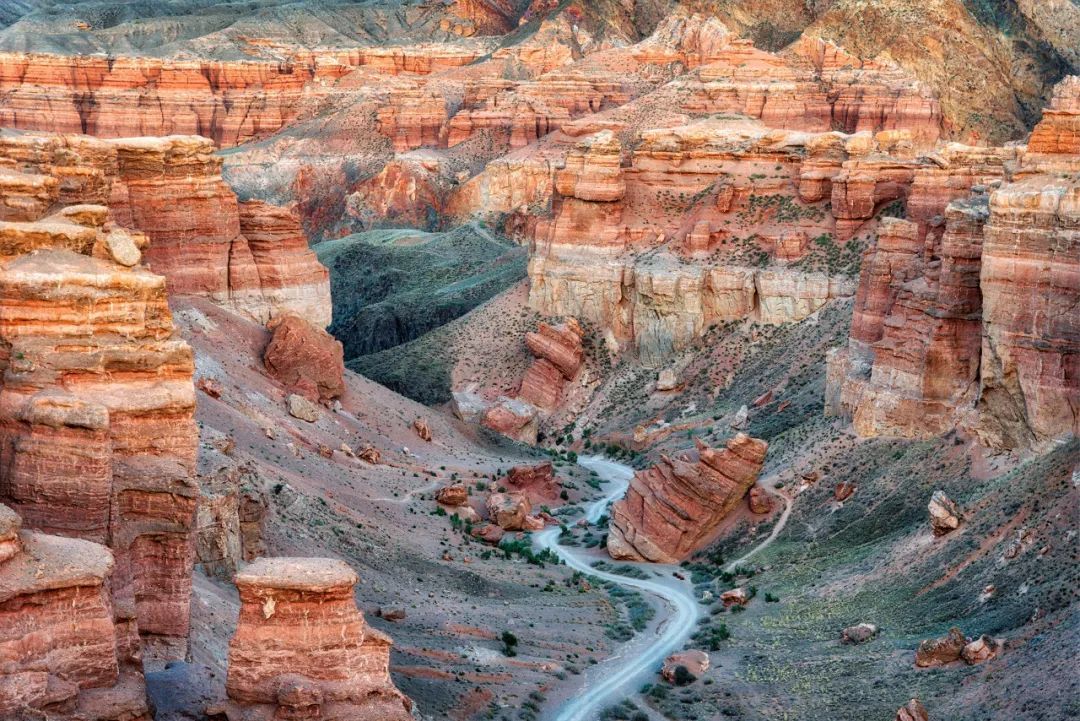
column 637, row 660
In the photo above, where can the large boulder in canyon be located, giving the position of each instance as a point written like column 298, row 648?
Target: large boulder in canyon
column 305, row 359
column 509, row 511
column 672, row 508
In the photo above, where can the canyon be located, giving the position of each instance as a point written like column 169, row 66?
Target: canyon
column 519, row 359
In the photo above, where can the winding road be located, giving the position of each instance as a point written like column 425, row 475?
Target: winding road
column 621, row 675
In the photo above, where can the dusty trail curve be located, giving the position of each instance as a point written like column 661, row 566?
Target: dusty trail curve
column 621, row 675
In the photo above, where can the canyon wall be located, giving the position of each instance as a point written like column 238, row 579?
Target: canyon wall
column 97, row 431
column 250, row 257
column 967, row 317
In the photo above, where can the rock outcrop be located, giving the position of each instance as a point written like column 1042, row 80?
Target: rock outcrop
column 964, row 312
column 116, row 97
column 558, row 357
column 302, row 649
column 305, row 359
column 672, row 508
column 941, row 651
column 97, row 405
column 64, row 654
column 913, row 710
column 249, row 257
column 944, row 515
column 695, row 662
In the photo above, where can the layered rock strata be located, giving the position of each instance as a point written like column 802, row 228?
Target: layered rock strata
column 64, row 656
column 97, row 429
column 559, row 356
column 229, row 102
column 250, row 257
column 672, row 508
column 302, row 649
column 968, row 317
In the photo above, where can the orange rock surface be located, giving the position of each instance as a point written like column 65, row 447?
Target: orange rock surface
column 61, row 647
column 229, row 102
column 302, row 647
column 672, row 508
column 97, row 409
column 306, row 359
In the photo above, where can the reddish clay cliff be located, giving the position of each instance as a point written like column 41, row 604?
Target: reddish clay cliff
column 63, row 653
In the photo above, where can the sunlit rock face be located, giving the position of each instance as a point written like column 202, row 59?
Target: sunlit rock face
column 964, row 315
column 97, row 404
column 672, row 508
column 301, row 645
column 250, row 257
column 229, row 102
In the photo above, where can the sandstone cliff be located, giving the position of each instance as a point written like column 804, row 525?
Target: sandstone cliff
column 968, row 319
column 64, row 653
column 250, row 257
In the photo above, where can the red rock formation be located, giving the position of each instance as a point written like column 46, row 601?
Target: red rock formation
column 941, row 651
column 229, row 518
column 230, row 102
column 913, row 710
column 558, row 359
column 509, row 511
column 305, row 359
column 512, row 418
column 538, row 483
column 1058, row 134
column 969, row 321
column 671, row 509
column 1030, row 282
column 290, row 277
column 454, row 495
column 172, row 190
column 412, row 117
column 302, row 650
column 96, row 410
column 593, row 170
column 61, row 648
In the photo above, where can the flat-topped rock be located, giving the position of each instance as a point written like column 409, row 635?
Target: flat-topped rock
column 299, row 574
column 53, row 562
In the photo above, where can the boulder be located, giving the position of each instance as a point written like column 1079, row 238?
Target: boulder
column 694, row 661
column 489, row 533
column 981, row 649
column 735, row 597
column 508, row 510
column 859, row 633
column 305, row 359
column 422, row 429
column 667, row 381
column 941, row 651
column 843, row 491
column 538, row 482
column 913, row 710
column 370, row 454
column 944, row 515
column 760, row 500
column 300, row 407
column 512, row 418
column 456, row 494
